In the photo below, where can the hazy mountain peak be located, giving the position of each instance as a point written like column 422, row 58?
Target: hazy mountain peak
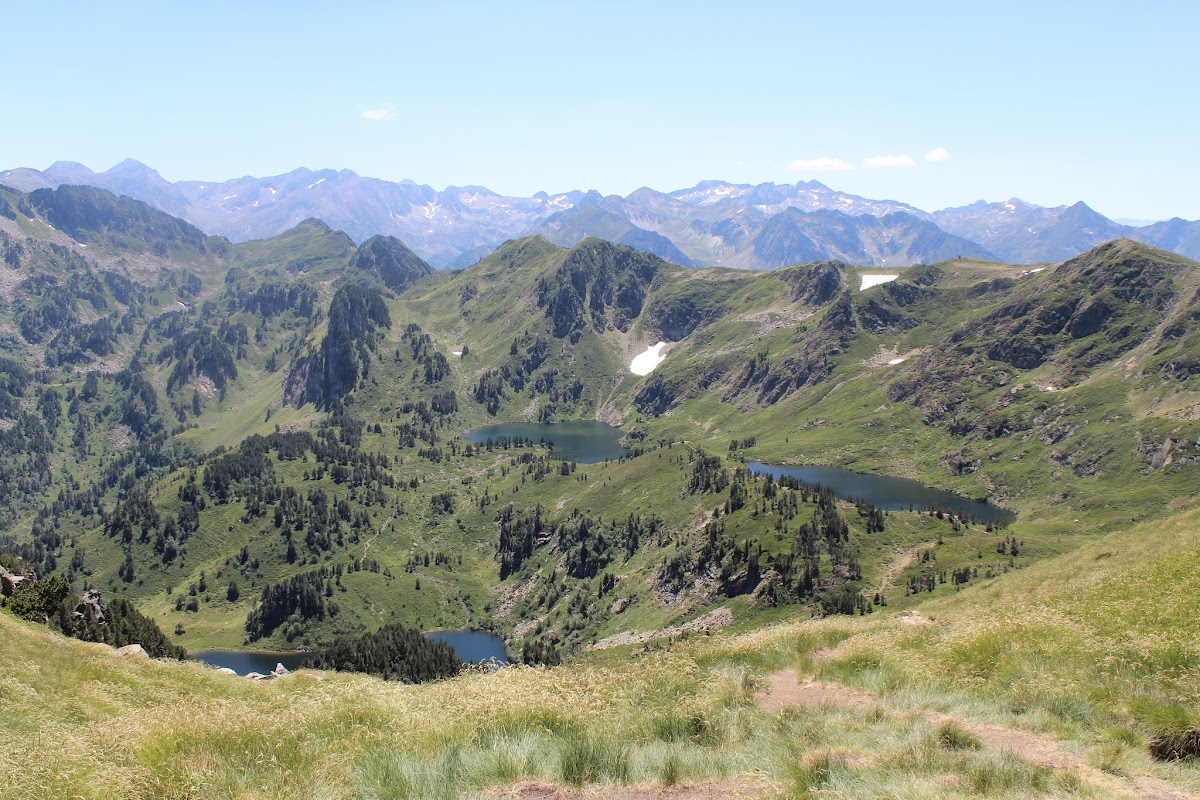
column 73, row 167
column 390, row 260
column 1082, row 213
column 713, row 222
column 313, row 223
column 132, row 166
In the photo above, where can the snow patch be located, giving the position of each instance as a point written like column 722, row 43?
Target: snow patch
column 644, row 363
column 868, row 281
column 896, row 361
column 229, row 197
column 456, row 352
column 318, row 181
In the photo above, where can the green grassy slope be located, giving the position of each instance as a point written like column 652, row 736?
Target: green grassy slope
column 1062, row 391
column 1089, row 653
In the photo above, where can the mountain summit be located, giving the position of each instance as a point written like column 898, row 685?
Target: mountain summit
column 712, row 223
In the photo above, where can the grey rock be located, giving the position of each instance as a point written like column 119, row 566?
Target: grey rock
column 9, row 582
column 89, row 607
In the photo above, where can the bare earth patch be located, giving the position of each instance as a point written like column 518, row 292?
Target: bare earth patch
column 507, row 598
column 121, row 436
column 712, row 621
column 733, row 789
column 785, row 690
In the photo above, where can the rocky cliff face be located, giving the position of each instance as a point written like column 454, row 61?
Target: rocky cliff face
column 598, row 284
column 357, row 319
column 388, row 259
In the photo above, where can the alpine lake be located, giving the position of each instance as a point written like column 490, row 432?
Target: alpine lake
column 471, row 646
column 590, row 442
column 587, row 442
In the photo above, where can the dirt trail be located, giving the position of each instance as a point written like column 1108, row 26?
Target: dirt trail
column 785, row 689
column 901, row 562
column 733, row 789
column 378, row 532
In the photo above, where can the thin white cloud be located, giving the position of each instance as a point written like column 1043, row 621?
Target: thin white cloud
column 938, row 154
column 385, row 111
column 879, row 162
column 820, row 165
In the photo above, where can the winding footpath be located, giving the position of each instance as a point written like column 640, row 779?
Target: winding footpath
column 785, row 689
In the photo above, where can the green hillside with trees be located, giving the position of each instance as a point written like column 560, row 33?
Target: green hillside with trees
column 266, row 445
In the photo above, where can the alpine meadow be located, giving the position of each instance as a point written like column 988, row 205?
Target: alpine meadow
column 282, row 445
column 322, row 486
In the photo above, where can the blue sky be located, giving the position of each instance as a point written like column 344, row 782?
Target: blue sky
column 936, row 104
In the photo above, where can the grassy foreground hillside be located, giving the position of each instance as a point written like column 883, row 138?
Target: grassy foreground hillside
column 263, row 444
column 1052, row 680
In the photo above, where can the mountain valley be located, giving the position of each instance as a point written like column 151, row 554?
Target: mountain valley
column 262, row 441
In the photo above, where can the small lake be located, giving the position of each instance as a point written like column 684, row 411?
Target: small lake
column 243, row 662
column 585, row 441
column 473, row 646
column 470, row 646
column 890, row 494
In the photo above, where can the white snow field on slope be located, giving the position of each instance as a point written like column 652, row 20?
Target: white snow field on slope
column 874, row 280
column 644, row 363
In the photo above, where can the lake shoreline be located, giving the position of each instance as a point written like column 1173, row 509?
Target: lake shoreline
column 889, row 493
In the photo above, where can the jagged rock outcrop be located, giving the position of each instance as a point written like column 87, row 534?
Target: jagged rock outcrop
column 357, row 318
column 92, row 215
column 389, row 259
column 810, row 363
column 9, row 582
column 681, row 309
column 598, row 283
column 815, row 284
column 89, row 608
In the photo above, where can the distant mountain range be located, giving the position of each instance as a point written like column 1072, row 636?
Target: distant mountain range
column 713, row 222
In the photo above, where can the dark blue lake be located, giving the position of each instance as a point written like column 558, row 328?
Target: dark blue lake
column 473, row 646
column 585, row 441
column 243, row 662
column 891, row 494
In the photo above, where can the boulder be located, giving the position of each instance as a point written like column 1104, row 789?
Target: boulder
column 133, row 650
column 279, row 671
column 9, row 582
column 89, row 607
column 227, row 671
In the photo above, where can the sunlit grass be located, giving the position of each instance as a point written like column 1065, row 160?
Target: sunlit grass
column 1096, row 652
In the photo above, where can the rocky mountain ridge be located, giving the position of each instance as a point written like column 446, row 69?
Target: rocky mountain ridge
column 712, row 223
